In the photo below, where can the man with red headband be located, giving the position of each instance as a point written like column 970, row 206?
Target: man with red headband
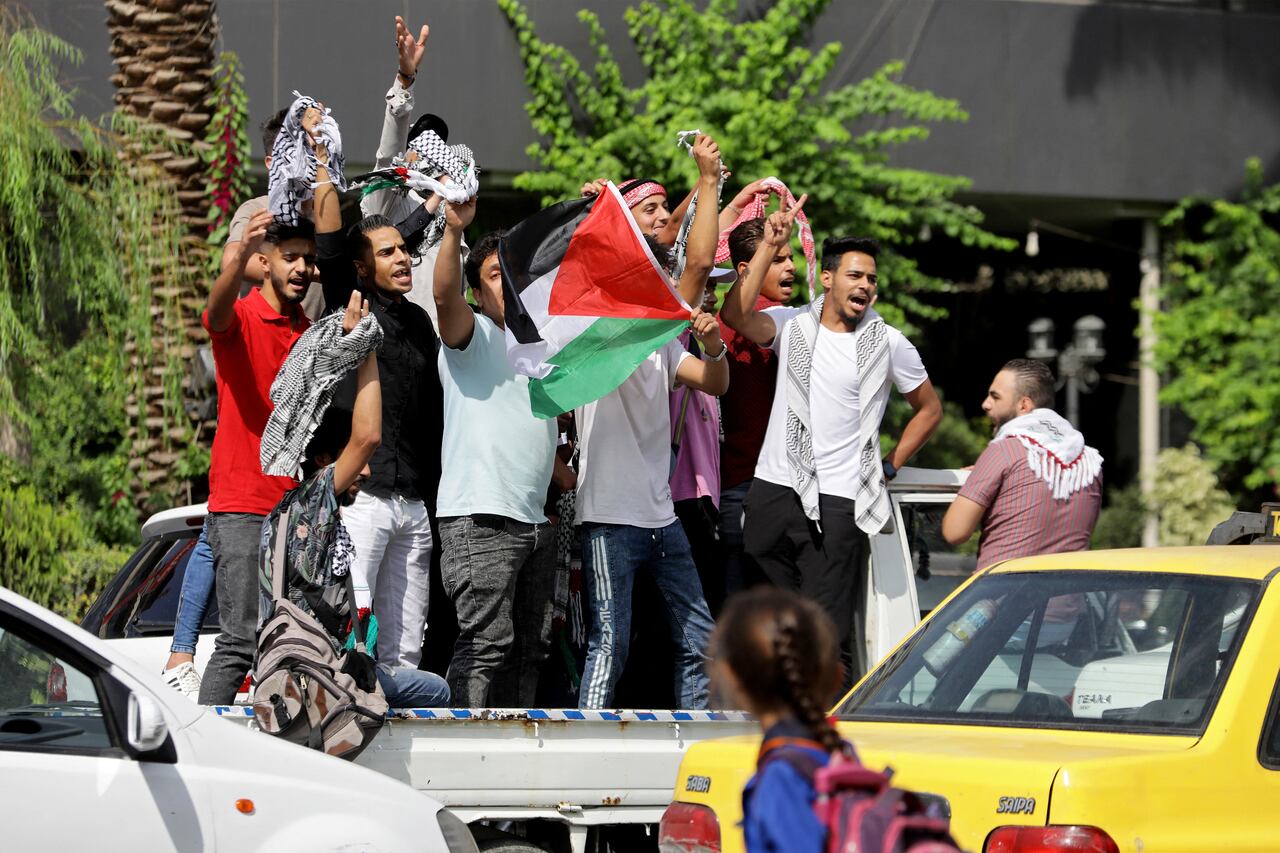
column 647, row 201
column 624, row 505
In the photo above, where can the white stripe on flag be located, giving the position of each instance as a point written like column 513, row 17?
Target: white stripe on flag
column 556, row 332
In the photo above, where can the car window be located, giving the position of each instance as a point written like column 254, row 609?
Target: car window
column 939, row 567
column 46, row 703
column 1144, row 651
column 143, row 600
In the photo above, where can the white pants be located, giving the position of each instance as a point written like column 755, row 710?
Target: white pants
column 392, row 538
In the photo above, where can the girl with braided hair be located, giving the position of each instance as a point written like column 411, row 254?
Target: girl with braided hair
column 776, row 655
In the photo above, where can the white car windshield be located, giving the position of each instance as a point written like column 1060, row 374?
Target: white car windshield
column 1124, row 651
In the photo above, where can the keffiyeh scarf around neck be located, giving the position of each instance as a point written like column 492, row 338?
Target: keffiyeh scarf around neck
column 293, row 163
column 755, row 210
column 1056, row 452
column 871, row 344
column 304, row 387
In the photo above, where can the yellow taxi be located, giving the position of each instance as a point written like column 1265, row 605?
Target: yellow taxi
column 1097, row 701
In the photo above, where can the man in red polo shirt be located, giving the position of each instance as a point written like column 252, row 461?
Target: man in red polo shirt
column 251, row 338
column 744, row 408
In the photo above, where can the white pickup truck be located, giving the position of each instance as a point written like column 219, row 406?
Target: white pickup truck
column 540, row 779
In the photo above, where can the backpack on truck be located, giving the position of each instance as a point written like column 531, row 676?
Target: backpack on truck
column 307, row 689
column 859, row 807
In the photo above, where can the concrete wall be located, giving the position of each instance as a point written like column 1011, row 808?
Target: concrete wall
column 1073, row 99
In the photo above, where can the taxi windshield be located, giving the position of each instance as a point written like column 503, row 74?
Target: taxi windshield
column 1112, row 651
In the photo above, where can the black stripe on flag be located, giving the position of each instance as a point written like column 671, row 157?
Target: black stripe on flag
column 531, row 249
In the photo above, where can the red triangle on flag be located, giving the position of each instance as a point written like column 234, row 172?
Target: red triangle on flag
column 608, row 271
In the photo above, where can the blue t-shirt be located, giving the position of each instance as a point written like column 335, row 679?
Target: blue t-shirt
column 777, row 803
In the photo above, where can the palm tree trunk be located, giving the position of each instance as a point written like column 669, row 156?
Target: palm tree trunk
column 164, row 56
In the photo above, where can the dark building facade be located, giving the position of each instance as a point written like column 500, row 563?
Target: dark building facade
column 1089, row 117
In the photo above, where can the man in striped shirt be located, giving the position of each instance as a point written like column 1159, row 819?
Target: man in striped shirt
column 1037, row 488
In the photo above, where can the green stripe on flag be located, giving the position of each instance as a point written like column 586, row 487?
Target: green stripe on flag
column 597, row 361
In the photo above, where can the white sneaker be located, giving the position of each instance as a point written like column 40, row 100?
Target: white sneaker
column 184, row 679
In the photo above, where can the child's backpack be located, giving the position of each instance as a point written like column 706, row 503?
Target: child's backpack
column 306, row 689
column 862, row 811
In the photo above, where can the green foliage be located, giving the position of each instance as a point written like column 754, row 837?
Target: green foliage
column 84, row 232
column 1121, row 520
column 46, row 551
column 762, row 93
column 1186, row 497
column 1218, row 337
column 956, row 443
column 228, row 152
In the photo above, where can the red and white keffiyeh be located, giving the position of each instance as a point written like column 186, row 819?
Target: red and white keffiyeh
column 1056, row 451
column 754, row 209
column 636, row 190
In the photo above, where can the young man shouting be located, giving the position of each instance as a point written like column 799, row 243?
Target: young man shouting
column 820, row 483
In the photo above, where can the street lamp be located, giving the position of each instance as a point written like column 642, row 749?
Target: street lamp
column 1075, row 363
column 1040, row 345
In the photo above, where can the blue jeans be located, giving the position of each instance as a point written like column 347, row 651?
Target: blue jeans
column 193, row 601
column 412, row 688
column 611, row 556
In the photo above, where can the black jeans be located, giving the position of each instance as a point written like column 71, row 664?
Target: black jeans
column 234, row 538
column 829, row 566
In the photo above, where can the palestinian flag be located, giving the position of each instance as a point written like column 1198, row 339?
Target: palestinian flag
column 586, row 301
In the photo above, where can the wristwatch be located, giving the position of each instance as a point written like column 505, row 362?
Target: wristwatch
column 723, row 349
column 889, row 471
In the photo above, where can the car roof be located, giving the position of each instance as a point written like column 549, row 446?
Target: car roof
column 177, row 520
column 928, row 480
column 1233, row 561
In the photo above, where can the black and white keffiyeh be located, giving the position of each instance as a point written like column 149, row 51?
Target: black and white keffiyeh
column 871, row 347
column 1056, row 452
column 293, row 163
column 304, row 386
column 435, row 158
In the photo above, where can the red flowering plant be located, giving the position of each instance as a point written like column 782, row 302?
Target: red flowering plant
column 226, row 149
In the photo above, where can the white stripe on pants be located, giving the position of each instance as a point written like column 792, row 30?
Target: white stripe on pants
column 599, row 691
column 392, row 566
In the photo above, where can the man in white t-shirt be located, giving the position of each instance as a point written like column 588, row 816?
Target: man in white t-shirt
column 820, row 484
column 628, row 522
column 497, row 558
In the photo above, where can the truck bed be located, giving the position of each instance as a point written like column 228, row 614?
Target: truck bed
column 583, row 768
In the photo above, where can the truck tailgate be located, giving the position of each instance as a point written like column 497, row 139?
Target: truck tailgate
column 566, row 763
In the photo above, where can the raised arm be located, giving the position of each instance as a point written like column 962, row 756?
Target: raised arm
column 700, row 252
column 739, row 309
column 711, row 372
column 667, row 236
column 222, row 296
column 733, row 209
column 326, row 204
column 456, row 320
column 366, row 414
column 337, row 274
column 928, row 414
column 395, row 125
